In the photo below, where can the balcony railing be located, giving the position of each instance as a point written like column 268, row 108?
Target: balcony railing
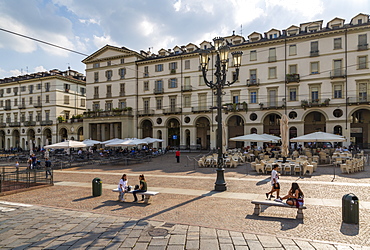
column 314, row 53
column 46, row 123
column 315, row 103
column 236, row 107
column 7, row 107
column 273, row 105
column 2, row 124
column 173, row 71
column 145, row 112
column 201, row 109
column 96, row 96
column 172, row 110
column 272, row 58
column 365, row 99
column 337, row 73
column 122, row 93
column 292, row 78
column 118, row 112
column 37, row 105
column 362, row 46
column 14, row 124
column 186, row 88
column 22, row 106
column 109, row 95
column 158, row 91
column 253, row 82
column 145, row 74
column 29, row 123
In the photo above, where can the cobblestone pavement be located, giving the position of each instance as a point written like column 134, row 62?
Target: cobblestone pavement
column 67, row 216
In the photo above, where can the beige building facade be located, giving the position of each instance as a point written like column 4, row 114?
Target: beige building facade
column 40, row 108
column 318, row 74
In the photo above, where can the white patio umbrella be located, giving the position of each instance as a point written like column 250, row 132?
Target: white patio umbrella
column 67, row 144
column 90, row 142
column 31, row 147
column 319, row 137
column 284, row 128
column 253, row 138
column 111, row 140
column 130, row 143
column 274, row 137
column 114, row 142
column 150, row 140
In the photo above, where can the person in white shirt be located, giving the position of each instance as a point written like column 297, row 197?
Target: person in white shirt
column 122, row 187
column 274, row 183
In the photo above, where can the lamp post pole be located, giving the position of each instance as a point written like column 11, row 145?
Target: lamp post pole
column 216, row 86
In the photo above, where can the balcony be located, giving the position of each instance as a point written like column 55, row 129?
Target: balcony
column 109, row 95
column 186, row 88
column 365, row 99
column 253, row 82
column 145, row 74
column 66, row 90
column 272, row 58
column 122, row 93
column 46, row 123
column 116, row 112
column 337, row 73
column 7, row 107
column 29, row 123
column 158, row 91
column 236, row 107
column 22, row 106
column 14, row 124
column 96, row 96
column 37, row 105
column 173, row 71
column 2, row 124
column 172, row 110
column 315, row 103
column 200, row 109
column 314, row 53
column 146, row 112
column 292, row 78
column 362, row 46
column 272, row 105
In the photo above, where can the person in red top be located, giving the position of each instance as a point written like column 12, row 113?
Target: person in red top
column 178, row 156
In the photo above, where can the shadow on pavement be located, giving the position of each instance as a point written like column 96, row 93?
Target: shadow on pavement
column 263, row 181
column 285, row 223
column 83, row 198
column 349, row 229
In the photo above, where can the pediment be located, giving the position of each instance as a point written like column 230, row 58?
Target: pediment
column 109, row 51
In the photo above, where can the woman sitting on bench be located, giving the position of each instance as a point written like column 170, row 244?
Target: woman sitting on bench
column 142, row 188
column 122, row 187
column 294, row 196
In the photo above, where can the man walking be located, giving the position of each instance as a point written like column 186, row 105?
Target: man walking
column 178, row 156
column 274, row 183
column 47, row 167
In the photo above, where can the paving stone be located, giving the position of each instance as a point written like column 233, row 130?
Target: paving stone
column 254, row 244
column 226, row 246
column 269, row 241
column 157, row 241
column 242, row 247
column 239, row 241
column 177, row 240
column 129, row 242
column 322, row 246
column 192, row 244
column 207, row 232
column 141, row 246
column 208, row 243
column 175, row 247
column 225, row 240
column 156, row 247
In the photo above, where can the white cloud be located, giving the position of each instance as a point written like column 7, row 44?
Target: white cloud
column 100, row 41
column 147, row 28
column 15, row 72
column 89, row 21
column 245, row 12
column 308, row 8
column 40, row 69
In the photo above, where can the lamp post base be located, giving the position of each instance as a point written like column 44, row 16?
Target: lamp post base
column 220, row 184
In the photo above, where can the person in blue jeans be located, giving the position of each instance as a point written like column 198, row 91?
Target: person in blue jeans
column 142, row 188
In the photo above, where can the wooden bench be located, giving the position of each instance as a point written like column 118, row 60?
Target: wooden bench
column 146, row 194
column 257, row 207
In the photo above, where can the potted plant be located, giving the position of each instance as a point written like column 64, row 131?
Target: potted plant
column 304, row 104
column 60, row 119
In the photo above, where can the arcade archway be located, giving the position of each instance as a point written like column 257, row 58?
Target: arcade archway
column 202, row 133
column 313, row 122
column 235, row 127
column 173, row 127
column 360, row 120
column 147, row 128
column 271, row 124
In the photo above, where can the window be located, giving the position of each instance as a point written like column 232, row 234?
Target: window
column 109, row 91
column 47, row 86
column 109, row 63
column 362, row 62
column 8, row 90
column 39, row 100
column 15, row 102
column 253, row 55
column 314, row 67
column 66, row 99
column 172, row 83
column 108, row 75
column 314, row 49
column 30, row 89
column 83, row 102
column 272, row 72
column 235, row 76
column 15, row 90
column 23, row 101
column 23, row 88
column 337, row 91
column 158, row 67
column 362, row 91
column 96, row 65
column 159, row 103
column 362, row 42
column 146, row 85
column 253, row 96
column 337, row 43
column 292, row 94
column 172, row 65
column 201, row 81
column 38, row 116
column 253, row 76
column 202, row 101
column 146, row 71
column 272, row 96
column 337, row 68
column 173, row 102
column 66, row 114
column 146, row 104
column 314, row 94
column 272, row 55
column 122, row 73
column 108, row 106
column 293, row 69
column 47, row 115
column 83, row 91
column 96, row 106
column 158, row 86
column 235, row 97
column 38, row 86
column 187, row 101
column 30, row 100
column 23, row 117
column 122, row 60
column 30, row 116
column 16, row 117
column 187, row 64
column 67, row 87
column 96, row 76
column 292, row 50
column 122, row 90
column 96, row 92
column 122, row 104
column 47, row 99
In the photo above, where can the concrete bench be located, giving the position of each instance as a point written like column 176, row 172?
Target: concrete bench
column 146, row 194
column 257, row 207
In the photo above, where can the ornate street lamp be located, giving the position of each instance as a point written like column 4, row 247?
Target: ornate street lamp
column 217, row 86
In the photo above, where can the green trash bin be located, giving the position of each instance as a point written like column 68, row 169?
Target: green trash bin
column 350, row 209
column 97, row 187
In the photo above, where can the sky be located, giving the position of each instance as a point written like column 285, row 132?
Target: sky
column 87, row 25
